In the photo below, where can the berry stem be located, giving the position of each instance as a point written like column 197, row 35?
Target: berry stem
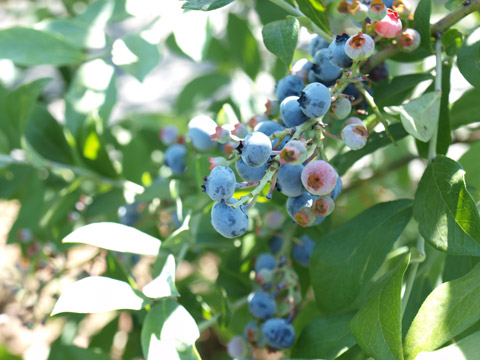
column 413, row 273
column 297, row 13
column 272, row 186
column 326, row 133
column 375, row 109
column 432, row 148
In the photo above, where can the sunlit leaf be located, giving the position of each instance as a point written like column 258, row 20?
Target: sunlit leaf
column 164, row 284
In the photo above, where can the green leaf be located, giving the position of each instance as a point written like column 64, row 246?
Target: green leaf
column 164, row 284
column 446, row 213
column 199, row 89
column 422, row 23
column 324, row 337
column 205, row 5
column 420, row 116
column 143, row 56
column 452, row 42
column 6, row 355
column 60, row 351
column 469, row 161
column 280, row 38
column 116, row 237
column 46, row 136
column 243, row 45
column 97, row 294
column 466, row 110
column 31, row 47
column 395, row 91
column 468, row 61
column 453, row 5
column 350, row 255
column 317, row 12
column 465, row 349
column 378, row 324
column 343, row 162
column 450, row 309
column 169, row 332
column 444, row 136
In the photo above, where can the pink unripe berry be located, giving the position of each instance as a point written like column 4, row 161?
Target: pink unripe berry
column 409, row 40
column 305, row 217
column 222, row 135
column 293, row 153
column 359, row 47
column 377, row 10
column 390, row 26
column 240, row 130
column 319, row 177
column 323, row 206
column 355, row 136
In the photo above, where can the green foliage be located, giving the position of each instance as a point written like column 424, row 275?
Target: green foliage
column 454, row 224
column 468, row 61
column 316, row 11
column 422, row 23
column 280, row 37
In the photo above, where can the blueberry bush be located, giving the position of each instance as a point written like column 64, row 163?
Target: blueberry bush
column 309, row 192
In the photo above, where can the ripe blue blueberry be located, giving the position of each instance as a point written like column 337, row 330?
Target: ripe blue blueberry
column 128, row 214
column 220, row 184
column 200, row 130
column 278, row 333
column 294, row 204
column 337, row 190
column 265, row 261
column 270, row 127
column 289, row 180
column 336, row 52
column 302, row 250
column 291, row 112
column 256, row 149
column 176, row 158
column 262, row 305
column 317, row 43
column 288, row 86
column 227, row 221
column 315, row 100
column 275, row 244
column 249, row 173
column 324, row 71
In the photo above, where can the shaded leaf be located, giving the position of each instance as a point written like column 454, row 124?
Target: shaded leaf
column 452, row 42
column 378, row 324
column 468, row 61
column 350, row 255
column 469, row 161
column 420, row 116
column 422, row 23
column 450, row 309
column 466, row 110
column 446, row 213
column 97, row 294
column 395, row 91
column 116, row 237
column 324, row 337
column 444, row 136
column 27, row 47
column 280, row 38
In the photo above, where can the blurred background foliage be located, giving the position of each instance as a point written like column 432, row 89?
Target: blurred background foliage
column 79, row 143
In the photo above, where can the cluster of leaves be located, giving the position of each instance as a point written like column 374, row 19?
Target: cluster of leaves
column 67, row 175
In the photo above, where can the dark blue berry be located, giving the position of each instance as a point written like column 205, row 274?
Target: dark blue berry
column 302, row 250
column 278, row 333
column 336, row 52
column 288, row 86
column 262, row 305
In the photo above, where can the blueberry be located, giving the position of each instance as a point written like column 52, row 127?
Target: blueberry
column 176, row 158
column 355, row 136
column 227, row 221
column 360, row 46
column 288, row 86
column 262, row 305
column 237, row 347
column 278, row 333
column 169, row 134
column 294, row 204
column 302, row 250
column 265, row 261
column 220, row 184
column 256, row 149
column 340, row 108
column 301, row 68
column 275, row 244
column 337, row 190
column 289, row 180
column 390, row 26
column 200, row 130
column 315, row 100
column 291, row 112
column 269, row 128
column 319, row 177
column 336, row 52
column 324, row 71
column 128, row 214
column 317, row 44
column 249, row 173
